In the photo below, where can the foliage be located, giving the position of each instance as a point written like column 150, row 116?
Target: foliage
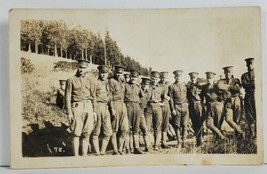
column 26, row 65
column 64, row 66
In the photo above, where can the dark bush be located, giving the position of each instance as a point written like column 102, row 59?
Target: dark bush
column 64, row 66
column 26, row 65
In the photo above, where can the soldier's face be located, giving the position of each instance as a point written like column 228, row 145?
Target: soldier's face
column 145, row 86
column 62, row 85
column 81, row 70
column 210, row 80
column 155, row 80
column 163, row 78
column 127, row 79
column 133, row 79
column 228, row 74
column 103, row 76
column 177, row 78
column 120, row 76
column 250, row 67
column 193, row 79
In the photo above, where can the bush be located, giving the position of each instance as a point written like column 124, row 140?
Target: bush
column 26, row 66
column 65, row 66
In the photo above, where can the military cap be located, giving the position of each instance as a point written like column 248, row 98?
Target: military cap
column 134, row 73
column 126, row 74
column 164, row 74
column 177, row 72
column 103, row 68
column 210, row 74
column 249, row 60
column 146, row 80
column 119, row 69
column 193, row 74
column 62, row 81
column 228, row 68
column 155, row 74
column 82, row 62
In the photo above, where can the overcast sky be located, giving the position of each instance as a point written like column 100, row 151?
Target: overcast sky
column 190, row 39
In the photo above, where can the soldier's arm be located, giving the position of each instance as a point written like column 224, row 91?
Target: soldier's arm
column 112, row 90
column 236, row 86
column 93, row 93
column 170, row 93
column 68, row 91
column 247, row 84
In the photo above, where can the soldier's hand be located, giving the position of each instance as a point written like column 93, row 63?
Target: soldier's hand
column 161, row 104
column 70, row 117
column 167, row 98
column 174, row 112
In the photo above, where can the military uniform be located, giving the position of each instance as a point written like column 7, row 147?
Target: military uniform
column 195, row 107
column 248, row 83
column 119, row 120
column 60, row 96
column 80, row 101
column 214, row 102
column 103, row 123
column 133, row 93
column 165, row 110
column 233, row 104
column 179, row 106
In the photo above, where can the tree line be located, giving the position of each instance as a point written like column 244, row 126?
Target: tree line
column 55, row 38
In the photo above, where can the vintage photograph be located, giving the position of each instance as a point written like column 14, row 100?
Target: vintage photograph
column 135, row 87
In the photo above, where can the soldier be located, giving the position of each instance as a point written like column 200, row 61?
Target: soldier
column 119, row 120
column 165, row 109
column 133, row 93
column 80, row 107
column 153, row 112
column 102, row 109
column 213, row 100
column 61, row 94
column 233, row 104
column 145, row 85
column 179, row 107
column 195, row 106
column 248, row 82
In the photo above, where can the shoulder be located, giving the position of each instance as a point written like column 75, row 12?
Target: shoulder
column 244, row 75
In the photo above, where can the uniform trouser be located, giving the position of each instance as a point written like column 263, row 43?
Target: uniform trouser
column 250, row 111
column 82, row 124
column 144, row 130
column 215, row 117
column 195, row 113
column 154, row 120
column 236, row 107
column 181, row 119
column 134, row 114
column 165, row 121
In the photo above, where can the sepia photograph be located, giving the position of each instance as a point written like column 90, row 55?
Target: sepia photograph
column 126, row 87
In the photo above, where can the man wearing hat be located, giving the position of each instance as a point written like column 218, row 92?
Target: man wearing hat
column 213, row 101
column 61, row 94
column 233, row 104
column 195, row 106
column 119, row 118
column 145, row 85
column 153, row 112
column 133, row 93
column 248, row 83
column 80, row 107
column 165, row 108
column 179, row 107
column 103, row 123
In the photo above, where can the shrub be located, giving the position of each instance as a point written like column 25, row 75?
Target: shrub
column 26, row 66
column 64, row 66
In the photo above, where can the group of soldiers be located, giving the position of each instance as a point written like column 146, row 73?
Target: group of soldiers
column 118, row 109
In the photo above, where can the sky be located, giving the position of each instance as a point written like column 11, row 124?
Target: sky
column 188, row 39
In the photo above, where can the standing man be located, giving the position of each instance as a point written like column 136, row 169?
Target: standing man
column 233, row 104
column 165, row 109
column 145, row 85
column 133, row 93
column 103, row 123
column 153, row 112
column 195, row 106
column 61, row 94
column 80, row 107
column 213, row 100
column 119, row 118
column 179, row 107
column 248, row 83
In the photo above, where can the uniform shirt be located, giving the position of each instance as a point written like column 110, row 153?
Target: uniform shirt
column 178, row 94
column 193, row 92
column 156, row 94
column 234, row 85
column 248, row 82
column 133, row 93
column 165, row 87
column 79, row 88
column 145, row 98
column 102, row 91
column 117, row 89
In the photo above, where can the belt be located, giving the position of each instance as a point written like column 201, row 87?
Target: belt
column 80, row 103
column 132, row 102
column 180, row 103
